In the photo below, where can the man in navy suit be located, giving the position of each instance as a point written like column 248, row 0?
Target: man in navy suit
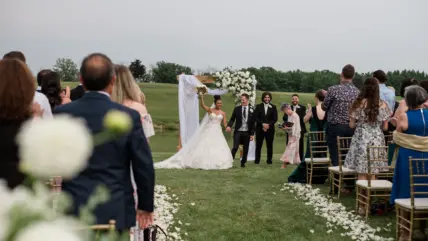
column 110, row 163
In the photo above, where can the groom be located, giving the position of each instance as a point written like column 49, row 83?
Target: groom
column 244, row 127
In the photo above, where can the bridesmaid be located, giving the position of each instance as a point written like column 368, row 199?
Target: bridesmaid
column 291, row 154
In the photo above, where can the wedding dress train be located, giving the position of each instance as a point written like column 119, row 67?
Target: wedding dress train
column 207, row 149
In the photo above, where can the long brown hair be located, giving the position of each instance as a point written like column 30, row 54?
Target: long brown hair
column 369, row 93
column 17, row 89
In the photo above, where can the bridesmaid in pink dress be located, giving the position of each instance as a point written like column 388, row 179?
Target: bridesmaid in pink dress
column 292, row 127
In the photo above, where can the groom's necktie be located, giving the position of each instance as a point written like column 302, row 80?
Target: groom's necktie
column 244, row 113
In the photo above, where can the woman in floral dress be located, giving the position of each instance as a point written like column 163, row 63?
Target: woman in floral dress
column 291, row 154
column 369, row 115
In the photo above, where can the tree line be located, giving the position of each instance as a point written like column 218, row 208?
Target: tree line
column 268, row 78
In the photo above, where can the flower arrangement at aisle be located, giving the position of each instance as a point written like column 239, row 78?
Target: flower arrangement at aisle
column 238, row 82
column 55, row 147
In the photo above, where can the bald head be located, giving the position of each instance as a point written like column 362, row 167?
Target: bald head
column 97, row 72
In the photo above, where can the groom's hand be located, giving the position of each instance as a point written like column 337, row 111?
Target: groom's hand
column 145, row 219
column 251, row 138
column 228, row 129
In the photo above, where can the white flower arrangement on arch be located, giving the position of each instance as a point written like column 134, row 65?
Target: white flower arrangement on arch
column 238, row 82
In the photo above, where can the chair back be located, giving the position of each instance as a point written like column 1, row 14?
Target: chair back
column 418, row 178
column 317, row 144
column 343, row 145
column 377, row 161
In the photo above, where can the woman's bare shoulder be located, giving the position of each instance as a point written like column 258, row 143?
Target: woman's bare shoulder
column 140, row 108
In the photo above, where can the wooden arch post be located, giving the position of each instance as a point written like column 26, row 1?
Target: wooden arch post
column 203, row 79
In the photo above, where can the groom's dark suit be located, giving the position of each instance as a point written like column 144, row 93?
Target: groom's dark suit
column 268, row 115
column 110, row 164
column 242, row 136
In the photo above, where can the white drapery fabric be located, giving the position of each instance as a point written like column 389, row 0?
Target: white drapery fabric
column 188, row 105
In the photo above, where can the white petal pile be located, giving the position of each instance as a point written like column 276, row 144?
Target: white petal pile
column 165, row 208
column 335, row 213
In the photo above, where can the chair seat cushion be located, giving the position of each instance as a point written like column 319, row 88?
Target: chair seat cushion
column 344, row 170
column 420, row 203
column 375, row 184
column 318, row 160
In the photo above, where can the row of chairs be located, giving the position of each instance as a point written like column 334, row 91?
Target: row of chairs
column 379, row 179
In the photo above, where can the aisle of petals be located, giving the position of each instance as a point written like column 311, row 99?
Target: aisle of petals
column 335, row 213
column 165, row 208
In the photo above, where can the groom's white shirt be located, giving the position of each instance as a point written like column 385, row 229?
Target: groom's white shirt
column 41, row 99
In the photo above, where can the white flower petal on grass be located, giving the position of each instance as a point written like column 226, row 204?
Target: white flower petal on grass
column 54, row 147
column 193, row 204
column 48, row 231
column 312, row 231
column 335, row 214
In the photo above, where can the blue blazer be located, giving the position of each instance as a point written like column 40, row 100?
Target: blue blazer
column 110, row 164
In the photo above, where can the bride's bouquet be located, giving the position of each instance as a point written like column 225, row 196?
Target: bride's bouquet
column 201, row 90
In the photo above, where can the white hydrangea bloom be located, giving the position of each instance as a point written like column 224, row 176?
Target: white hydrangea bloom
column 54, row 147
column 48, row 231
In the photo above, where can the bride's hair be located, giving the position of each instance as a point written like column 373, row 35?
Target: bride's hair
column 216, row 98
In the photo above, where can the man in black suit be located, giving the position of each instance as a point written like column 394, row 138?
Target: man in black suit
column 301, row 112
column 266, row 116
column 77, row 92
column 110, row 163
column 244, row 127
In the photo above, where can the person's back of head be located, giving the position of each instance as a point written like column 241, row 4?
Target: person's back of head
column 348, row 72
column 381, row 76
column 40, row 76
column 15, row 55
column 17, row 89
column 415, row 96
column 125, row 86
column 406, row 83
column 97, row 73
column 51, row 88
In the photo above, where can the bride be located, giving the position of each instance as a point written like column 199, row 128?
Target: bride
column 207, row 149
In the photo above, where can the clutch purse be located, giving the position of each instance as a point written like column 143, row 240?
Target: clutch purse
column 288, row 124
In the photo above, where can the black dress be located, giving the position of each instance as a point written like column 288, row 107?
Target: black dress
column 9, row 158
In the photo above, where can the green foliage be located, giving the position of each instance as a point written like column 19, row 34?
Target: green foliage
column 67, row 69
column 137, row 69
column 165, row 72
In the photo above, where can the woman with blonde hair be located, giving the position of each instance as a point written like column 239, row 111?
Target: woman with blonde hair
column 127, row 92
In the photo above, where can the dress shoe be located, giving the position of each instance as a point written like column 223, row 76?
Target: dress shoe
column 242, row 164
column 269, row 162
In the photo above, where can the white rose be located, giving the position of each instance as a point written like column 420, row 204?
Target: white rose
column 217, row 74
column 54, row 147
column 253, row 77
column 218, row 84
column 247, row 74
column 48, row 231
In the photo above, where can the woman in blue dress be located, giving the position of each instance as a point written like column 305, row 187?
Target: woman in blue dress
column 414, row 124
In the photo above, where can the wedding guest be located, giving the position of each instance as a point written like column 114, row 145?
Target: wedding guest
column 369, row 116
column 424, row 84
column 128, row 93
column 336, row 104
column 266, row 118
column 17, row 85
column 386, row 94
column 317, row 119
column 39, row 98
column 301, row 112
column 51, row 88
column 39, row 78
column 402, row 108
column 110, row 162
column 412, row 138
column 293, row 129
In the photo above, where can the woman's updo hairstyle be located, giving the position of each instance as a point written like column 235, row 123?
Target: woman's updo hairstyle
column 216, row 98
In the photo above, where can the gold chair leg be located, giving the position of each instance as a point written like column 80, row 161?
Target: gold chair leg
column 368, row 204
column 340, row 185
column 397, row 223
column 357, row 199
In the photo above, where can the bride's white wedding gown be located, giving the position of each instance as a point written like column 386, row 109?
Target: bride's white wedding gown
column 207, row 149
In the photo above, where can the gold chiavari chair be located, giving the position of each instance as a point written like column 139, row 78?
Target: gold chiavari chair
column 339, row 175
column 414, row 208
column 377, row 161
column 318, row 159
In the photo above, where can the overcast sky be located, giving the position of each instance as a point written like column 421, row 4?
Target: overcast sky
column 284, row 34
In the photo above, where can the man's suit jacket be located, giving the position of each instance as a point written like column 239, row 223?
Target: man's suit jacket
column 110, row 164
column 237, row 115
column 301, row 112
column 77, row 93
column 271, row 117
